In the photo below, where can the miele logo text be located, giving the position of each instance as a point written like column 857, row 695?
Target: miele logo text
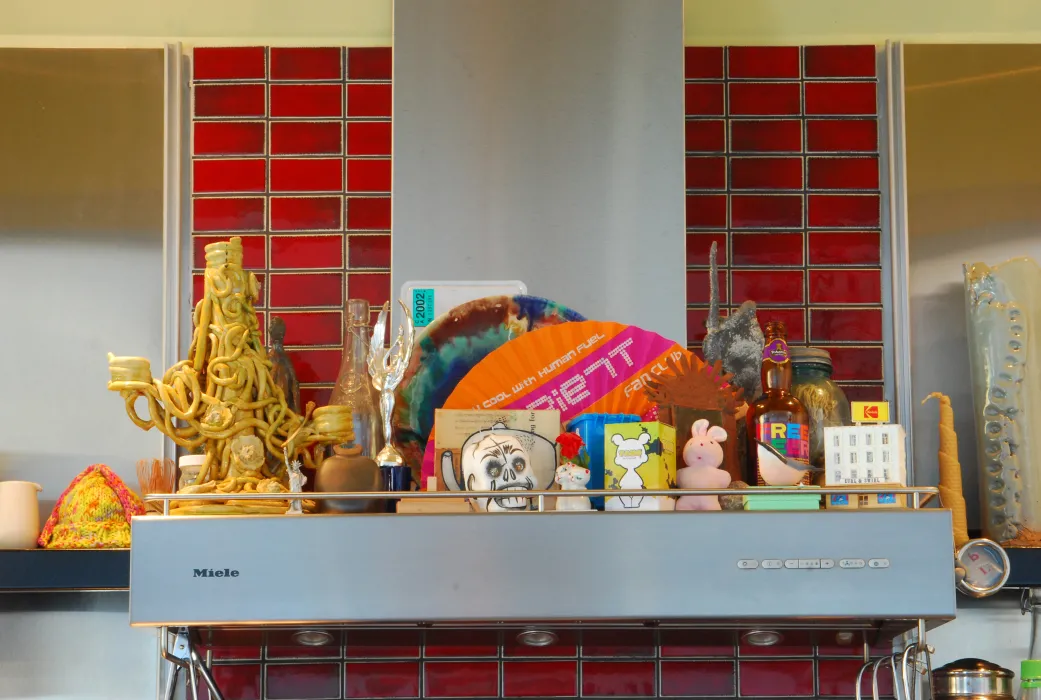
column 215, row 573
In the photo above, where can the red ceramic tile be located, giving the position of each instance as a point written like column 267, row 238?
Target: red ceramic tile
column 238, row 682
column 566, row 645
column 696, row 319
column 618, row 678
column 228, row 138
column 767, row 249
column 535, row 679
column 767, row 286
column 306, row 138
column 368, row 251
column 307, row 251
column 829, row 645
column 841, row 98
column 383, row 680
column 313, row 327
column 842, row 173
column 307, row 100
column 698, row 643
column 368, row 138
column 701, row 62
column 306, row 175
column 319, row 395
column 792, row 643
column 303, row 681
column 838, row 678
column 703, row 99
column 383, row 643
column 845, row 248
column 864, row 392
column 473, row 679
column 369, row 100
column 776, row 678
column 230, row 100
column 231, row 176
column 370, row 63
column 773, row 136
column 763, row 62
column 844, row 210
column 845, row 286
column 700, row 678
column 232, row 214
column 198, row 287
column 617, row 643
column 306, row 213
column 368, row 213
column 281, row 645
column 851, row 364
column 706, row 211
column 290, row 290
column 697, row 286
column 766, row 173
column 705, row 135
column 456, row 642
column 764, row 98
column 374, row 287
column 369, row 175
column 706, row 173
column 234, row 644
column 863, row 325
column 254, row 255
column 699, row 245
column 853, row 135
column 840, row 61
column 316, row 366
column 306, row 63
column 793, row 319
column 765, row 211
column 228, row 63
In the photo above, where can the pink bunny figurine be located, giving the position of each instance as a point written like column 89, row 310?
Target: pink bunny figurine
column 703, row 455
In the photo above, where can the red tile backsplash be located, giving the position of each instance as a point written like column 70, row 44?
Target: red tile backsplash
column 305, row 328
column 707, row 173
column 697, row 286
column 534, row 679
column 368, row 251
column 675, row 643
column 765, row 173
column 845, row 286
column 618, row 678
column 841, row 98
column 307, row 63
column 454, row 679
column 767, row 249
column 368, row 213
column 700, row 244
column 368, row 138
column 766, row 211
column 306, row 138
column 228, row 63
column 230, row 214
column 289, row 290
column 776, row 678
column 845, row 248
column 703, row 135
column 842, row 173
column 386, row 643
column 320, row 100
column 855, row 325
column 369, row 63
column 838, row 678
column 470, row 643
column 615, row 643
column 368, row 175
column 325, row 251
column 855, row 363
column 774, row 135
column 794, row 319
column 703, row 62
column 845, row 210
column 767, row 286
column 373, row 287
column 229, row 175
column 837, row 135
column 316, row 366
column 238, row 682
column 839, row 61
column 310, row 175
column 763, row 62
column 706, row 211
column 704, row 99
column 394, row 679
column 697, row 678
column 364, row 100
column 228, row 138
column 303, row 681
column 748, row 99
column 306, row 213
column 247, row 100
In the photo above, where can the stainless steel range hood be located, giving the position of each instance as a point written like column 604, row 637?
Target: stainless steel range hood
column 879, row 571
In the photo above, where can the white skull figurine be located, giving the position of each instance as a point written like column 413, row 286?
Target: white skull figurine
column 496, row 459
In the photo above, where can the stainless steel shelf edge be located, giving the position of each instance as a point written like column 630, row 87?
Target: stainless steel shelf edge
column 648, row 567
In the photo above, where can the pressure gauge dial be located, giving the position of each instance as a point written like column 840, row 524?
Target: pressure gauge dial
column 986, row 568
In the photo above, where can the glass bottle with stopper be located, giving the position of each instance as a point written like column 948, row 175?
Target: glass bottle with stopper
column 353, row 386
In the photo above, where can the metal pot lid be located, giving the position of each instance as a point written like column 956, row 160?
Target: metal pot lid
column 972, row 667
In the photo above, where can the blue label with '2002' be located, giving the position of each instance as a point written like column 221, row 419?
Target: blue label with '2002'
column 422, row 307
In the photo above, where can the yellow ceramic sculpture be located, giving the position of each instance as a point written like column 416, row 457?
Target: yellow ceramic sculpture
column 222, row 398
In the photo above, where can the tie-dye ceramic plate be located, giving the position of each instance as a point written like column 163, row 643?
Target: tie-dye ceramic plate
column 450, row 347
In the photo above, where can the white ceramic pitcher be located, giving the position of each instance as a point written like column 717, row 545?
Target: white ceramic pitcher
column 19, row 514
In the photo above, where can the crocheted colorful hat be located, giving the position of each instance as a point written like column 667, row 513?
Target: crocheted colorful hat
column 92, row 513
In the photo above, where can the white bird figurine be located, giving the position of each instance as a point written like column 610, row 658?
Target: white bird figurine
column 779, row 470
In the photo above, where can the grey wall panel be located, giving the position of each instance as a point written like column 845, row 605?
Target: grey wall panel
column 542, row 140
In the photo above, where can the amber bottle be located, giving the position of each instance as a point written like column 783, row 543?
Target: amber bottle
column 776, row 418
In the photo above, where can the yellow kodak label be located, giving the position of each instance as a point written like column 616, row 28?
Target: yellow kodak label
column 870, row 411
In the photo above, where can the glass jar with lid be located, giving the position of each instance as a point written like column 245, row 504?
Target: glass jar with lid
column 823, row 399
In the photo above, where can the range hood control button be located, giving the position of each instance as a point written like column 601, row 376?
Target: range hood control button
column 791, row 563
column 809, row 563
column 747, row 564
column 851, row 563
column 772, row 563
column 827, row 563
column 878, row 563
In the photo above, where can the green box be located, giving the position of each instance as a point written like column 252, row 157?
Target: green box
column 802, row 498
column 639, row 456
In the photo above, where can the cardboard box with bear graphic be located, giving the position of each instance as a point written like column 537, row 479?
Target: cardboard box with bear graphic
column 639, row 456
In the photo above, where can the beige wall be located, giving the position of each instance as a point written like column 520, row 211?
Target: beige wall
column 368, row 22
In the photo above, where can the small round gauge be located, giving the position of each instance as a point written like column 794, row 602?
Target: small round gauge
column 986, row 568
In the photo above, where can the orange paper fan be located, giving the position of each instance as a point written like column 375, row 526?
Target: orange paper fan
column 577, row 367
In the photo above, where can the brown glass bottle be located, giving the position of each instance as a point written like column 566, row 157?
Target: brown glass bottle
column 776, row 418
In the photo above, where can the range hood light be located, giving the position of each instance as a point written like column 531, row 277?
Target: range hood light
column 762, row 638
column 537, row 638
column 844, row 638
column 312, row 638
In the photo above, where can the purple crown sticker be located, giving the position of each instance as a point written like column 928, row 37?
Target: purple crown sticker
column 777, row 351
